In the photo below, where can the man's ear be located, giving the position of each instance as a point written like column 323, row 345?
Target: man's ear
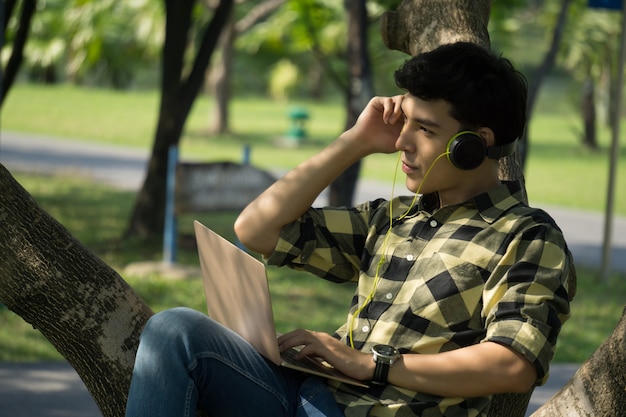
column 488, row 136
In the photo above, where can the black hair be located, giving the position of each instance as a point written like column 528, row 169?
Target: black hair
column 484, row 90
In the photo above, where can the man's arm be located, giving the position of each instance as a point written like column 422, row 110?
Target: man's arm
column 259, row 225
column 478, row 370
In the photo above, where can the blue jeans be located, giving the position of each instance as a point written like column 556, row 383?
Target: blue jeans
column 187, row 361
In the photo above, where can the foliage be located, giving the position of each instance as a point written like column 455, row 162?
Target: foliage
column 283, row 79
column 504, row 22
column 591, row 51
column 118, row 43
column 103, row 42
column 297, row 27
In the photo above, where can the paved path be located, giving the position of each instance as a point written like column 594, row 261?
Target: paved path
column 54, row 389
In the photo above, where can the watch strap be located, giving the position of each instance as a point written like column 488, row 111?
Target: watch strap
column 381, row 372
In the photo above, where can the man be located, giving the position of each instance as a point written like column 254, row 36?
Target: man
column 461, row 291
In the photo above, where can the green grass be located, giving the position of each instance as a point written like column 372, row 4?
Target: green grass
column 559, row 172
column 596, row 309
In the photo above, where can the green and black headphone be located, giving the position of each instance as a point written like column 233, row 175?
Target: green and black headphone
column 467, row 150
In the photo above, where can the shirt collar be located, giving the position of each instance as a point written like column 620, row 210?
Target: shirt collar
column 491, row 204
column 495, row 202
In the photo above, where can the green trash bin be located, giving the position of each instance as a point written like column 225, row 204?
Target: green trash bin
column 297, row 131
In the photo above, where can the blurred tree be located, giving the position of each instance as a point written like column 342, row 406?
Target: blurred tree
column 592, row 59
column 222, row 71
column 539, row 74
column 15, row 35
column 340, row 52
column 184, row 65
column 359, row 91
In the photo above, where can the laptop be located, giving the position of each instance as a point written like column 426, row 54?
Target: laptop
column 238, row 296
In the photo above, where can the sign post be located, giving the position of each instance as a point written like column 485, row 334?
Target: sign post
column 170, row 227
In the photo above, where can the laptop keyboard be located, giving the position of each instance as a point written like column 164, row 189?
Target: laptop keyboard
column 289, row 356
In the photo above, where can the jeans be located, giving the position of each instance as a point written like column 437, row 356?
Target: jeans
column 187, row 361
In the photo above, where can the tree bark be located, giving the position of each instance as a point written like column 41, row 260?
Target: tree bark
column 422, row 25
column 599, row 386
column 82, row 306
column 177, row 96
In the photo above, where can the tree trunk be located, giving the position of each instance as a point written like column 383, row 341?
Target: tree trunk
column 599, row 386
column 82, row 306
column 360, row 91
column 422, row 25
column 220, row 77
column 535, row 82
column 19, row 41
column 588, row 113
column 177, row 97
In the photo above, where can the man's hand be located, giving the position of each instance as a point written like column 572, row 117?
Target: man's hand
column 380, row 124
column 351, row 362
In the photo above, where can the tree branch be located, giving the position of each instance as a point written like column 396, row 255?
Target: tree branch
column 17, row 54
column 258, row 13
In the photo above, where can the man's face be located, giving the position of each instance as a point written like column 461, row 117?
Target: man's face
column 427, row 129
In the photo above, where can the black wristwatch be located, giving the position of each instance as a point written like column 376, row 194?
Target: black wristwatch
column 384, row 356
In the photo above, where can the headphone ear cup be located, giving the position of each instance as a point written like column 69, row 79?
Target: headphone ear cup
column 466, row 150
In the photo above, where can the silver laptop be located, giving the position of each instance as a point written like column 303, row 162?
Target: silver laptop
column 238, row 296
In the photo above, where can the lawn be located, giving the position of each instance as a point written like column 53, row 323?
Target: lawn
column 559, row 172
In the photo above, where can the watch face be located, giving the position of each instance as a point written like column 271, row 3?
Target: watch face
column 385, row 350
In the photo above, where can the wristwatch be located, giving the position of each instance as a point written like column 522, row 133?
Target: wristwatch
column 384, row 356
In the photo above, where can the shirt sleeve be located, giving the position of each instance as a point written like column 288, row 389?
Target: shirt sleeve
column 327, row 242
column 526, row 304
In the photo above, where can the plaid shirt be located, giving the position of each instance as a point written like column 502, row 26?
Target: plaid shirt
column 491, row 269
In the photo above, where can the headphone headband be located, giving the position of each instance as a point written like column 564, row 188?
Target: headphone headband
column 499, row 151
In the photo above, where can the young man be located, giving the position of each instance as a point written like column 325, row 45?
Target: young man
column 461, row 291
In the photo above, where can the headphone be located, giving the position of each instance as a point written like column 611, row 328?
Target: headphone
column 467, row 150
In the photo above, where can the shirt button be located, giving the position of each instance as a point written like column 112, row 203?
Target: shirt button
column 366, row 328
column 389, row 296
column 410, row 257
column 433, row 223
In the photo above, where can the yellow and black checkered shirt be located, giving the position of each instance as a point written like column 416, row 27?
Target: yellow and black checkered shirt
column 491, row 269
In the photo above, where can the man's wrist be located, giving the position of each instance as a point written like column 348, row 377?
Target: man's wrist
column 383, row 356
